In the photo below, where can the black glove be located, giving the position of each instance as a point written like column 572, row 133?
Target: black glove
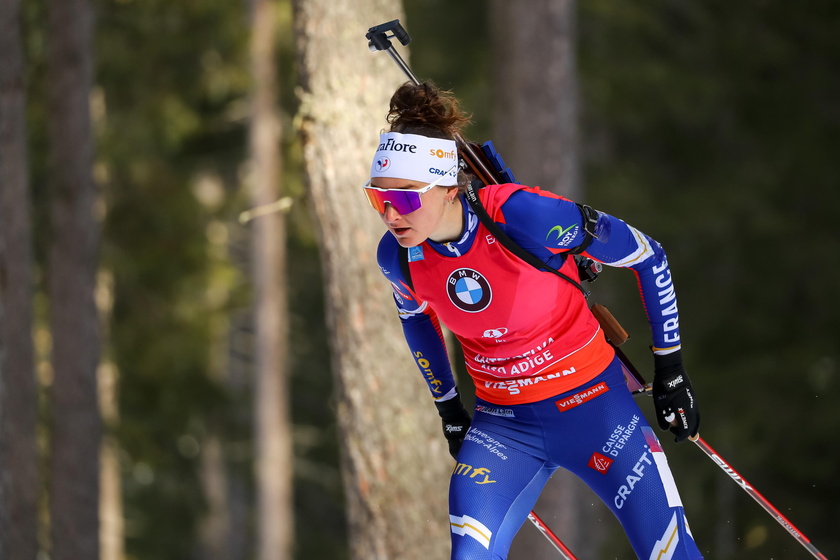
column 673, row 397
column 456, row 422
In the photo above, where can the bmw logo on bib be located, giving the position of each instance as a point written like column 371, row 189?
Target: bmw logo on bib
column 468, row 290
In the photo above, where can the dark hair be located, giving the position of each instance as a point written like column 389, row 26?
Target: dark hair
column 426, row 110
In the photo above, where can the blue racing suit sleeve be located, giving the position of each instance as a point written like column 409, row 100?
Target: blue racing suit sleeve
column 420, row 324
column 548, row 226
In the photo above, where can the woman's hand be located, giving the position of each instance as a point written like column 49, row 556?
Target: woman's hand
column 673, row 397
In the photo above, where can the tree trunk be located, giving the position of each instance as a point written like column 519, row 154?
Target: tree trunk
column 273, row 439
column 111, row 516
column 394, row 462
column 76, row 430
column 112, row 526
column 18, row 389
column 536, row 131
column 536, row 112
column 237, row 495
column 214, row 533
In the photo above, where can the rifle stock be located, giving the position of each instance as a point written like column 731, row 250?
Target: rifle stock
column 616, row 336
column 478, row 162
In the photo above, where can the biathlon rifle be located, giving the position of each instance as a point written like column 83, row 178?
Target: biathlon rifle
column 485, row 163
column 489, row 169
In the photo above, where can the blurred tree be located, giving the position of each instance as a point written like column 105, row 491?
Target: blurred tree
column 171, row 140
column 111, row 508
column 73, row 260
column 535, row 93
column 393, row 457
column 536, row 129
column 18, row 390
column 272, row 428
column 171, row 114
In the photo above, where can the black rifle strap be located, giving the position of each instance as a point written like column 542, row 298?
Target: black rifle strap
column 590, row 217
column 510, row 244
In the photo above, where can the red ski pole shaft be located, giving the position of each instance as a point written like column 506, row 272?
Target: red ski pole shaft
column 617, row 335
column 558, row 544
column 756, row 495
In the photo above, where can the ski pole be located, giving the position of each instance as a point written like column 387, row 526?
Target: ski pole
column 616, row 335
column 756, row 495
column 552, row 538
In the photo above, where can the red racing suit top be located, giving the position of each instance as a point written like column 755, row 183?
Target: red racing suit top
column 526, row 334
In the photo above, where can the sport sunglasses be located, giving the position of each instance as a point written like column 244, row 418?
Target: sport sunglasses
column 404, row 201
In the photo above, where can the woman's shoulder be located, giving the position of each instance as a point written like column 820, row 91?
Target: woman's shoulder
column 513, row 202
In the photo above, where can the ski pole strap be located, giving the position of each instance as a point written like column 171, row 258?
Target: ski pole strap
column 507, row 242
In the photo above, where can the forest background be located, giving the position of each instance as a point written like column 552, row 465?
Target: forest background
column 713, row 126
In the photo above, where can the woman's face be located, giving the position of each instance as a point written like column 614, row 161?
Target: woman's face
column 433, row 220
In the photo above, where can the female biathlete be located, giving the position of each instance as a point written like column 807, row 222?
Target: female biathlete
column 549, row 390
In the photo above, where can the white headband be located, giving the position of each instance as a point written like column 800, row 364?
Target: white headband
column 416, row 158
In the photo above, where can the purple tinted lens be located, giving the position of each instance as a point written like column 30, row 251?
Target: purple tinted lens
column 403, row 201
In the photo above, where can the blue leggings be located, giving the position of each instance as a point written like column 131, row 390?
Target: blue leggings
column 598, row 433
